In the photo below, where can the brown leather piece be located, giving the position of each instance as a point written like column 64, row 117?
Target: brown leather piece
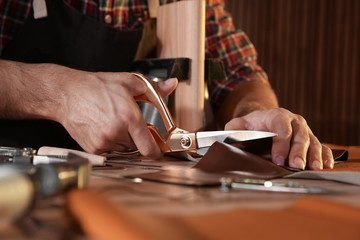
column 221, row 160
column 222, row 157
column 252, row 157
column 225, row 160
column 185, row 176
column 307, row 218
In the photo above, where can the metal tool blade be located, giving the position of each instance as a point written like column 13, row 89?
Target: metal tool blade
column 207, row 138
column 37, row 159
column 228, row 184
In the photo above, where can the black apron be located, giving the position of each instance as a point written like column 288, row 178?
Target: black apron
column 68, row 38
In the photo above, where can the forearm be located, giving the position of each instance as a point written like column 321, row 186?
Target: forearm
column 26, row 91
column 246, row 98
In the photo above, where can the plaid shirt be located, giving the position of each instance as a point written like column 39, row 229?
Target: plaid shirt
column 223, row 41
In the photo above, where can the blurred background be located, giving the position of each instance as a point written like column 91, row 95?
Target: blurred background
column 310, row 51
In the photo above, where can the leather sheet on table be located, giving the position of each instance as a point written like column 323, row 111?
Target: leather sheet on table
column 221, row 160
column 225, row 160
column 224, row 157
column 344, row 171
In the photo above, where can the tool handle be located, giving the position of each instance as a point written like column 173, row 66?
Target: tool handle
column 151, row 96
column 95, row 160
column 17, row 193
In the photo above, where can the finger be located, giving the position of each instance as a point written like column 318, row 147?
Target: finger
column 327, row 156
column 166, row 87
column 237, row 124
column 272, row 121
column 281, row 143
column 299, row 144
column 123, row 144
column 113, row 135
column 256, row 120
column 104, row 143
column 314, row 156
column 132, row 117
column 141, row 135
column 145, row 142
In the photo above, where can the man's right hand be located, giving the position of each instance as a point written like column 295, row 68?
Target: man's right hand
column 97, row 109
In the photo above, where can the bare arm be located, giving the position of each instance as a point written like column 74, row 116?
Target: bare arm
column 23, row 94
column 246, row 98
column 97, row 109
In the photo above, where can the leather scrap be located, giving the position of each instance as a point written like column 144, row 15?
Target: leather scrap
column 222, row 157
column 225, row 160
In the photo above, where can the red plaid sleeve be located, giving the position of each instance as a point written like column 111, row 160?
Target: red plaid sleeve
column 233, row 48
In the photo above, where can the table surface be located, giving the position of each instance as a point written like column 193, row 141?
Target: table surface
column 48, row 218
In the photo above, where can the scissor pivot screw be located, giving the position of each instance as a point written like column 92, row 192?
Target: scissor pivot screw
column 185, row 142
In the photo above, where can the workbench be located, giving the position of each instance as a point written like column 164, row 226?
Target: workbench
column 156, row 210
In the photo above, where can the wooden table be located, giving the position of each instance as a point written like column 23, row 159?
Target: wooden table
column 176, row 205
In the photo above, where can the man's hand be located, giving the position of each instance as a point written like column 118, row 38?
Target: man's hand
column 100, row 113
column 97, row 109
column 295, row 140
column 253, row 105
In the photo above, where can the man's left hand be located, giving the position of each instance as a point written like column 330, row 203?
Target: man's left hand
column 295, row 143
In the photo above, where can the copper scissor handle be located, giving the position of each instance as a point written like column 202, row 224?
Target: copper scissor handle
column 151, row 96
column 168, row 144
column 178, row 140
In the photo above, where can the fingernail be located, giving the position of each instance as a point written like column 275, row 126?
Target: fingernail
column 316, row 165
column 279, row 160
column 328, row 164
column 170, row 81
column 299, row 163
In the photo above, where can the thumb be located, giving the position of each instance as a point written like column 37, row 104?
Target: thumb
column 166, row 87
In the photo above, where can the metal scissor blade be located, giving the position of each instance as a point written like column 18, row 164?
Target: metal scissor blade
column 206, row 139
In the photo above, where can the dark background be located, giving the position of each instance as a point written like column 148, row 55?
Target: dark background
column 310, row 51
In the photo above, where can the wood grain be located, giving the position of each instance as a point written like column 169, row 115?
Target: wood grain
column 181, row 33
column 310, row 50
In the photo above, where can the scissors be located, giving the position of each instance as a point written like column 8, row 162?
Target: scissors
column 180, row 140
